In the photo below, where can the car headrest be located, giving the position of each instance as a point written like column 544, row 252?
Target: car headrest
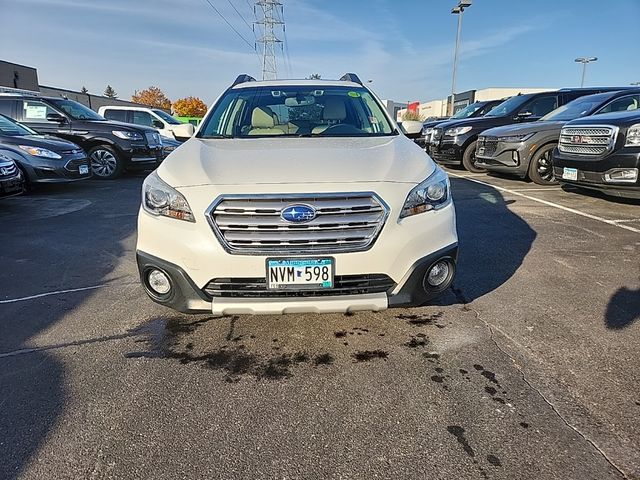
column 262, row 117
column 334, row 109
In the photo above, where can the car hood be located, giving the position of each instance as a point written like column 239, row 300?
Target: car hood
column 523, row 129
column 54, row 144
column 295, row 161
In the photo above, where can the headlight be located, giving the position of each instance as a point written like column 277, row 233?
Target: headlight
column 453, row 132
column 515, row 138
column 158, row 198
column 127, row 135
column 432, row 194
column 39, row 152
column 633, row 136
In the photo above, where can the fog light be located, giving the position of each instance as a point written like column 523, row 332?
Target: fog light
column 621, row 175
column 159, row 282
column 515, row 157
column 438, row 274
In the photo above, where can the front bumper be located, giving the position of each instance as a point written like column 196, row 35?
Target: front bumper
column 512, row 158
column 186, row 297
column 591, row 172
column 44, row 170
column 144, row 156
column 448, row 150
column 10, row 186
column 403, row 251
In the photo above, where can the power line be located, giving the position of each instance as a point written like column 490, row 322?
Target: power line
column 286, row 45
column 268, row 25
column 232, row 27
column 240, row 15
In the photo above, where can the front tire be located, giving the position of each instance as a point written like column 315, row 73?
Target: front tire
column 106, row 164
column 541, row 167
column 469, row 159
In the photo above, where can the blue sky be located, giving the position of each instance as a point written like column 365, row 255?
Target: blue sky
column 404, row 46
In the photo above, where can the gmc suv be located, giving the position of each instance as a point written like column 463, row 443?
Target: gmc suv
column 454, row 142
column 111, row 146
column 601, row 153
column 296, row 196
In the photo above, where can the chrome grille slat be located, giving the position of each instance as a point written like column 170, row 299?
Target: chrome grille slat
column 587, row 140
column 253, row 224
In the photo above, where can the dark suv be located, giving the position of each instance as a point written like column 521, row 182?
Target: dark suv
column 525, row 149
column 112, row 146
column 601, row 153
column 11, row 181
column 454, row 142
column 473, row 110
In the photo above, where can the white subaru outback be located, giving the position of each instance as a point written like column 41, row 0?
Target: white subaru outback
column 296, row 196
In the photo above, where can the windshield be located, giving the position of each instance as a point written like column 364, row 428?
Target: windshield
column 76, row 110
column 166, row 117
column 508, row 106
column 580, row 107
column 469, row 110
column 12, row 128
column 296, row 111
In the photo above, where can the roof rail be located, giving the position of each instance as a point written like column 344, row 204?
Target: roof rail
column 351, row 77
column 244, row 78
column 14, row 91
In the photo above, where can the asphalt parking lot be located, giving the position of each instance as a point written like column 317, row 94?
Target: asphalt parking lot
column 528, row 368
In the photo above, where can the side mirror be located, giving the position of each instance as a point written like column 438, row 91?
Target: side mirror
column 411, row 127
column 56, row 117
column 157, row 124
column 524, row 114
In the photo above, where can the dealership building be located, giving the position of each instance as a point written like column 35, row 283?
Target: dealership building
column 14, row 76
column 438, row 108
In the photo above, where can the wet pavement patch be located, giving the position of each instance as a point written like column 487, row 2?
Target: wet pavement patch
column 493, row 460
column 524, row 424
column 419, row 340
column 367, row 355
column 323, row 359
column 458, row 432
column 340, row 334
column 422, row 320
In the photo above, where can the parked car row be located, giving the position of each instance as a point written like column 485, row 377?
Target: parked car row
column 523, row 136
column 53, row 140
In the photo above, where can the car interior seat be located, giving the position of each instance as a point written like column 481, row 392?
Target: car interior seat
column 334, row 113
column 263, row 122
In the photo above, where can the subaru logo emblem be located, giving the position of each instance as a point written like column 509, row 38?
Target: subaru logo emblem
column 298, row 213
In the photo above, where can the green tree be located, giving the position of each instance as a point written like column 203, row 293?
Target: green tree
column 110, row 92
column 412, row 115
column 84, row 90
column 314, row 76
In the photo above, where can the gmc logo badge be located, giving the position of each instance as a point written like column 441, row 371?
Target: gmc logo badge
column 578, row 139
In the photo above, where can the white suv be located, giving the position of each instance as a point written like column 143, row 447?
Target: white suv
column 296, row 196
column 150, row 117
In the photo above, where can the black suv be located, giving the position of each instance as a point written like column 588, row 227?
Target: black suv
column 473, row 110
column 454, row 142
column 111, row 146
column 601, row 153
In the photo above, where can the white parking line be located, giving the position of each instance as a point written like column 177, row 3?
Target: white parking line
column 58, row 292
column 550, row 204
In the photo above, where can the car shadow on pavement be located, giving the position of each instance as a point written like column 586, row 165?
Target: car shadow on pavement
column 623, row 308
column 493, row 241
column 48, row 246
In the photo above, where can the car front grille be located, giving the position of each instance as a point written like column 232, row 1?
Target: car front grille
column 257, row 287
column 153, row 139
column 588, row 140
column 490, row 145
column 254, row 225
column 8, row 170
column 436, row 134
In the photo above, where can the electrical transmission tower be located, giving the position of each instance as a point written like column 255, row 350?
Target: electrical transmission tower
column 270, row 22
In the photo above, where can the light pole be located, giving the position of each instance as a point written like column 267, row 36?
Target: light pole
column 459, row 10
column 584, row 61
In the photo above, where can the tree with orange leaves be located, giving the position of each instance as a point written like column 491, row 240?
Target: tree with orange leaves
column 190, row 107
column 152, row 97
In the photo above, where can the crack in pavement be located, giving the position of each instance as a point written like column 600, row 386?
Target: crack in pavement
column 461, row 298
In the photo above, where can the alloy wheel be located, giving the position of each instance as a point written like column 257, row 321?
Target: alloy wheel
column 103, row 163
column 545, row 167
